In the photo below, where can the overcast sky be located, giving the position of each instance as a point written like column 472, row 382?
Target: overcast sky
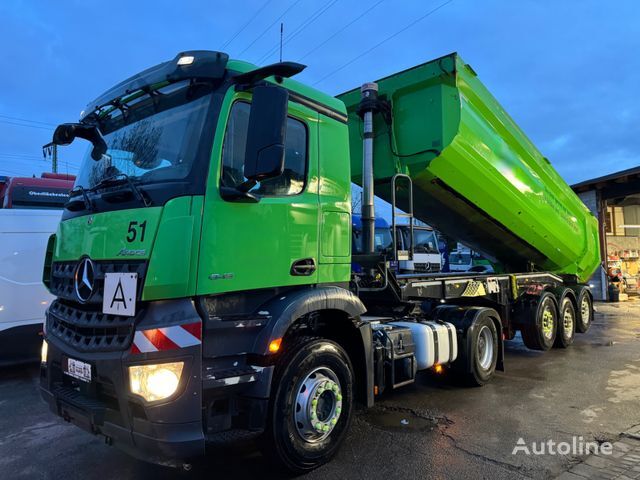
column 567, row 71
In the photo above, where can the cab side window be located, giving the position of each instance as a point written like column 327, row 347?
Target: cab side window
column 293, row 179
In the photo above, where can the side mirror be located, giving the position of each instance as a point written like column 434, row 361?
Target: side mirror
column 264, row 154
column 68, row 132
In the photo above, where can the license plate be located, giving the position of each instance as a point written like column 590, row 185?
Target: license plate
column 77, row 369
column 119, row 296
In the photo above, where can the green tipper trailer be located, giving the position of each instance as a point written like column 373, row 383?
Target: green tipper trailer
column 476, row 175
column 206, row 291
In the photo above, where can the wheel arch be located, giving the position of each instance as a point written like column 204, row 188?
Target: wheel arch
column 329, row 312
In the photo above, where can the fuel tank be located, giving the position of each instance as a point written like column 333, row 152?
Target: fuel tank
column 476, row 176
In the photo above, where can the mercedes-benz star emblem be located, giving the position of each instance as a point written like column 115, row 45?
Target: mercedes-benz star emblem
column 84, row 279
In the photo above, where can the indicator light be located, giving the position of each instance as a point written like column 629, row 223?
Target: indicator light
column 274, row 346
column 44, row 351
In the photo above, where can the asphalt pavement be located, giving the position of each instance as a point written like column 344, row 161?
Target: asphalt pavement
column 433, row 429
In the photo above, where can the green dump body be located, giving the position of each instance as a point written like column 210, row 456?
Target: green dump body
column 476, row 176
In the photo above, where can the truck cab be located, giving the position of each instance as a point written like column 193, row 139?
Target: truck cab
column 383, row 236
column 426, row 256
column 210, row 192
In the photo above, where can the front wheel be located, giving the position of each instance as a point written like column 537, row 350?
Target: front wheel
column 311, row 404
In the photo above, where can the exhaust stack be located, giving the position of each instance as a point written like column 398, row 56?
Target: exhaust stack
column 368, row 105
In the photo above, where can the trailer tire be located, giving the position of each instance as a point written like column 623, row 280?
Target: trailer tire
column 483, row 353
column 302, row 435
column 584, row 314
column 566, row 324
column 539, row 331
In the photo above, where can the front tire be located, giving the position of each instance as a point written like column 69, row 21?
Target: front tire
column 311, row 404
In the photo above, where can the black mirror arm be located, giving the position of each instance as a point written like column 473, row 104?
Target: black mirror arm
column 68, row 132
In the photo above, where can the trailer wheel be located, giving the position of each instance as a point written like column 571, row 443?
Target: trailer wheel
column 539, row 332
column 566, row 324
column 585, row 311
column 311, row 404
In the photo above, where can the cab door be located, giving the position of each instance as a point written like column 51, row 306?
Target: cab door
column 274, row 241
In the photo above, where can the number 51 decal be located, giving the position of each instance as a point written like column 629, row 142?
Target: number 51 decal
column 135, row 229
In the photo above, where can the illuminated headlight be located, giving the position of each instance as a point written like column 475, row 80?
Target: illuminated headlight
column 155, row 382
column 186, row 60
column 44, row 350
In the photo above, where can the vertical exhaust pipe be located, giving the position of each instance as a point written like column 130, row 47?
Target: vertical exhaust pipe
column 368, row 105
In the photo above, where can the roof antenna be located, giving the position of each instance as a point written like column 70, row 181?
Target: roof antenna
column 281, row 34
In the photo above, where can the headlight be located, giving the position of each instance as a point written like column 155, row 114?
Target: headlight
column 155, row 382
column 44, row 350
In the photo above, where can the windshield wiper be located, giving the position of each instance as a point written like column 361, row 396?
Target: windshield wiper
column 121, row 178
column 88, row 205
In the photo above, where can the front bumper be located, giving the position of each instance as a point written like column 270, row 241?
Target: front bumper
column 165, row 444
column 220, row 400
column 169, row 432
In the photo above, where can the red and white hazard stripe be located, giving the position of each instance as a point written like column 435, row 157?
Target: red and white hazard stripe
column 167, row 338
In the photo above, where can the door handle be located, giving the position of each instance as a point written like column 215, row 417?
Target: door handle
column 303, row 267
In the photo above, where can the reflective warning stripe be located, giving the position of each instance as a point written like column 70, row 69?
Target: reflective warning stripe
column 142, row 344
column 167, row 338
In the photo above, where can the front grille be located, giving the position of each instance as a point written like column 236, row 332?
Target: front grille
column 426, row 267
column 63, row 276
column 89, row 330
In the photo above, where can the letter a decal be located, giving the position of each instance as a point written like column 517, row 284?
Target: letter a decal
column 118, row 296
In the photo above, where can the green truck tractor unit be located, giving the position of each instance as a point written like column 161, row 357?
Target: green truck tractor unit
column 203, row 267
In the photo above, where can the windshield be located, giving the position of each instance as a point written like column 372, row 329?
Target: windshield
column 383, row 240
column 426, row 241
column 460, row 259
column 156, row 140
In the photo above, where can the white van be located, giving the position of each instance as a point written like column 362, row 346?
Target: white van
column 29, row 215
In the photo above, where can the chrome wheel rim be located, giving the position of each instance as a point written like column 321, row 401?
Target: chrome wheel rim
column 585, row 311
column 567, row 323
column 548, row 322
column 318, row 405
column 485, row 348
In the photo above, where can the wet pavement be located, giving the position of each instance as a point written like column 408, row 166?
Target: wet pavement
column 433, row 429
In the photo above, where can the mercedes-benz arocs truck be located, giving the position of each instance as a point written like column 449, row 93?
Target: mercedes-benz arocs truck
column 202, row 267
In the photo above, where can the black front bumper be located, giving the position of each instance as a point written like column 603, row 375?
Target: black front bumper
column 167, row 432
column 220, row 399
column 166, row 444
